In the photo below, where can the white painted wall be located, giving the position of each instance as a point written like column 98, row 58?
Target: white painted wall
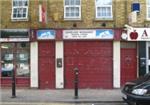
column 34, row 65
column 59, row 70
column 116, row 64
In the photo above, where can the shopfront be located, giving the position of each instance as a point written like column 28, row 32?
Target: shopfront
column 46, row 58
column 141, row 38
column 91, row 51
column 15, row 57
column 60, row 51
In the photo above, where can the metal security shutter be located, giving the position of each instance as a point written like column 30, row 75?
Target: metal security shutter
column 46, row 64
column 128, row 61
column 94, row 60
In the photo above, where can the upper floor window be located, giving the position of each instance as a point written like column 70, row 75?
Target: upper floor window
column 72, row 9
column 103, row 9
column 20, row 9
column 148, row 9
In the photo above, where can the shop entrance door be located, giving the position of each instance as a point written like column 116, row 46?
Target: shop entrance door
column 128, row 62
column 46, row 64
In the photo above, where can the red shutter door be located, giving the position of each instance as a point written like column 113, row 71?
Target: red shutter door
column 94, row 60
column 46, row 64
column 128, row 62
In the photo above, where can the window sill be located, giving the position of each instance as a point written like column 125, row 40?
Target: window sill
column 106, row 20
column 19, row 20
column 147, row 20
column 71, row 19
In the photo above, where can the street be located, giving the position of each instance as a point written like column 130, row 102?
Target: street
column 106, row 103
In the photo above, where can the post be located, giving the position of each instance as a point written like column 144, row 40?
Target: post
column 13, row 84
column 13, row 72
column 76, row 71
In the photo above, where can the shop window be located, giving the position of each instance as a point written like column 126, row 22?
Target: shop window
column 128, row 45
column 72, row 9
column 22, row 59
column 103, row 9
column 20, row 9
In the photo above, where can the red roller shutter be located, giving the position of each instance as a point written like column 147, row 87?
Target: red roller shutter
column 94, row 60
column 128, row 62
column 46, row 64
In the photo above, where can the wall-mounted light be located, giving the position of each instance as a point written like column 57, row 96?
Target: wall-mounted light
column 103, row 24
column 124, row 35
column 74, row 25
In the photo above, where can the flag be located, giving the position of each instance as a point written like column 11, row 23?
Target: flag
column 42, row 13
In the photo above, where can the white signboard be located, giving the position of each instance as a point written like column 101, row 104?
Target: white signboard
column 88, row 34
column 14, row 39
column 138, row 34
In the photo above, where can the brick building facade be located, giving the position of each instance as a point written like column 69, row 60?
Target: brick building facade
column 49, row 46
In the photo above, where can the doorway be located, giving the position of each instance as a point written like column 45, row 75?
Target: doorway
column 148, row 57
column 128, row 62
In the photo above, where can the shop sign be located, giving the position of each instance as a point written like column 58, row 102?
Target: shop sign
column 45, row 34
column 88, row 34
column 14, row 39
column 139, row 34
column 14, row 35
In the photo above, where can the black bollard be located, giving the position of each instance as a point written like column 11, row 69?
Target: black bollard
column 13, row 84
column 14, row 72
column 76, row 71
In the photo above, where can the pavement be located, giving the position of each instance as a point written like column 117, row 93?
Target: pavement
column 61, row 96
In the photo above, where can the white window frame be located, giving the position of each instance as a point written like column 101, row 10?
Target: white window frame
column 17, row 7
column 101, row 5
column 72, row 17
column 147, row 12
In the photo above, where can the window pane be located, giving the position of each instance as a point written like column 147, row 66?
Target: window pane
column 104, row 12
column 24, row 10
column 72, row 2
column 148, row 2
column 25, row 3
column 7, row 59
column 22, row 62
column 66, row 2
column 72, row 10
column 108, row 13
column 77, row 2
column 76, row 11
column 14, row 12
column 20, row 3
column 22, row 59
column 67, row 11
column 20, row 9
column 103, row 2
column 23, row 45
column 148, row 12
column 14, row 3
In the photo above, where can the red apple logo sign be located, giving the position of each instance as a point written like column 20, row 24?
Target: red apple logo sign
column 133, row 35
